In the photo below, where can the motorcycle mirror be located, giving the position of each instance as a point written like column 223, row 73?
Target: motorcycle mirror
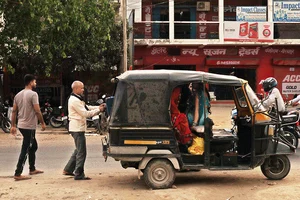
column 100, row 101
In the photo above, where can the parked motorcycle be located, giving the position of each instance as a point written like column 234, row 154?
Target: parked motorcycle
column 59, row 121
column 4, row 121
column 46, row 112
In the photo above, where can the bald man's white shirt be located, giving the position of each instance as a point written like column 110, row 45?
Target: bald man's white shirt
column 78, row 114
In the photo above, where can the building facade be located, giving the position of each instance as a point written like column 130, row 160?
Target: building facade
column 252, row 39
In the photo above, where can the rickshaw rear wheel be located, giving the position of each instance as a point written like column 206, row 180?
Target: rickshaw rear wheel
column 276, row 167
column 159, row 174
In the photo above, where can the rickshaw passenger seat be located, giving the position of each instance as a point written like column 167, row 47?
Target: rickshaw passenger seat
column 220, row 140
column 222, row 135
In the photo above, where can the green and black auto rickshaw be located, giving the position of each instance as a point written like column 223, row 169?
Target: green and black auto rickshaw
column 141, row 134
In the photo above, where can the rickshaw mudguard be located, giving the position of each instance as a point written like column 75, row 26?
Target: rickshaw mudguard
column 143, row 163
column 127, row 153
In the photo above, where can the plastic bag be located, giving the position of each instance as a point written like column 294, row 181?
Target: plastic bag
column 197, row 147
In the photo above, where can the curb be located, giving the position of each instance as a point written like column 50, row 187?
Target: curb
column 62, row 131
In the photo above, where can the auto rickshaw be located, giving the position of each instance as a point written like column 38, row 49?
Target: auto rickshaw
column 141, row 133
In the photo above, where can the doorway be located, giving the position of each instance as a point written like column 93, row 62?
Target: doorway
column 176, row 67
column 222, row 92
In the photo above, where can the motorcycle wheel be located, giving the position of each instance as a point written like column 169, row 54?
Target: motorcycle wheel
column 295, row 134
column 290, row 137
column 6, row 125
column 54, row 123
column 276, row 167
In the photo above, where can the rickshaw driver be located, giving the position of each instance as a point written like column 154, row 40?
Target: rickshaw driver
column 269, row 85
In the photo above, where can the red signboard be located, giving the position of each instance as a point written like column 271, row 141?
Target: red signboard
column 147, row 16
column 288, row 80
column 231, row 61
column 286, row 61
column 202, row 28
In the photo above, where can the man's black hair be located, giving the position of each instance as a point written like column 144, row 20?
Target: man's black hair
column 28, row 78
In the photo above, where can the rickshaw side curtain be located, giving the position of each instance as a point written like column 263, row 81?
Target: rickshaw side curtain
column 141, row 104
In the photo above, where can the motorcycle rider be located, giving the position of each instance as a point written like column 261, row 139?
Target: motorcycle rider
column 269, row 86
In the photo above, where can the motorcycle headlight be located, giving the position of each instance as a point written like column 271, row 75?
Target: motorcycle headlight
column 271, row 129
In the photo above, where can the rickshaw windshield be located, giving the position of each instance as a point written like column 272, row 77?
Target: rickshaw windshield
column 255, row 102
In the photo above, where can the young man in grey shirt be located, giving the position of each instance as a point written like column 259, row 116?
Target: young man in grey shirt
column 26, row 108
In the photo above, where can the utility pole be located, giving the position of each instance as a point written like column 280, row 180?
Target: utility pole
column 124, row 17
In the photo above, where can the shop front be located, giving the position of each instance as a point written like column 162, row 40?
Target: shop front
column 253, row 63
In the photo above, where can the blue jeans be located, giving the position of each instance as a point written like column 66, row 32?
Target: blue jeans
column 77, row 160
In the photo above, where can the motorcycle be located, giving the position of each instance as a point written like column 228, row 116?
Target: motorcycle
column 47, row 112
column 290, row 130
column 290, row 123
column 60, row 120
column 4, row 120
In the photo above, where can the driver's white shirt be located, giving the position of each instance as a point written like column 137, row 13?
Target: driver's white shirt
column 270, row 99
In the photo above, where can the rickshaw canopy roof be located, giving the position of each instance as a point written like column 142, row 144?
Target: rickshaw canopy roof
column 142, row 97
column 181, row 76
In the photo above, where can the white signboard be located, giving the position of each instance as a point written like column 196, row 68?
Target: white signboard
column 248, row 31
column 286, row 11
column 251, row 13
column 290, row 88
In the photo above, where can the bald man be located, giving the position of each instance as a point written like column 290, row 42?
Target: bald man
column 78, row 112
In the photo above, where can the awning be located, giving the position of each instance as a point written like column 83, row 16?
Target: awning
column 286, row 61
column 232, row 61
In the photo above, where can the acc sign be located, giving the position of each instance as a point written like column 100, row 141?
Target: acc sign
column 291, row 78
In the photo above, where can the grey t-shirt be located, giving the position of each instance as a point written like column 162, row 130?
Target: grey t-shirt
column 25, row 100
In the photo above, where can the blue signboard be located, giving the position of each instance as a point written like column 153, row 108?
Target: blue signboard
column 286, row 11
column 251, row 13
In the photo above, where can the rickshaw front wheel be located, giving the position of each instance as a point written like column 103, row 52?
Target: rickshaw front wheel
column 159, row 174
column 276, row 167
